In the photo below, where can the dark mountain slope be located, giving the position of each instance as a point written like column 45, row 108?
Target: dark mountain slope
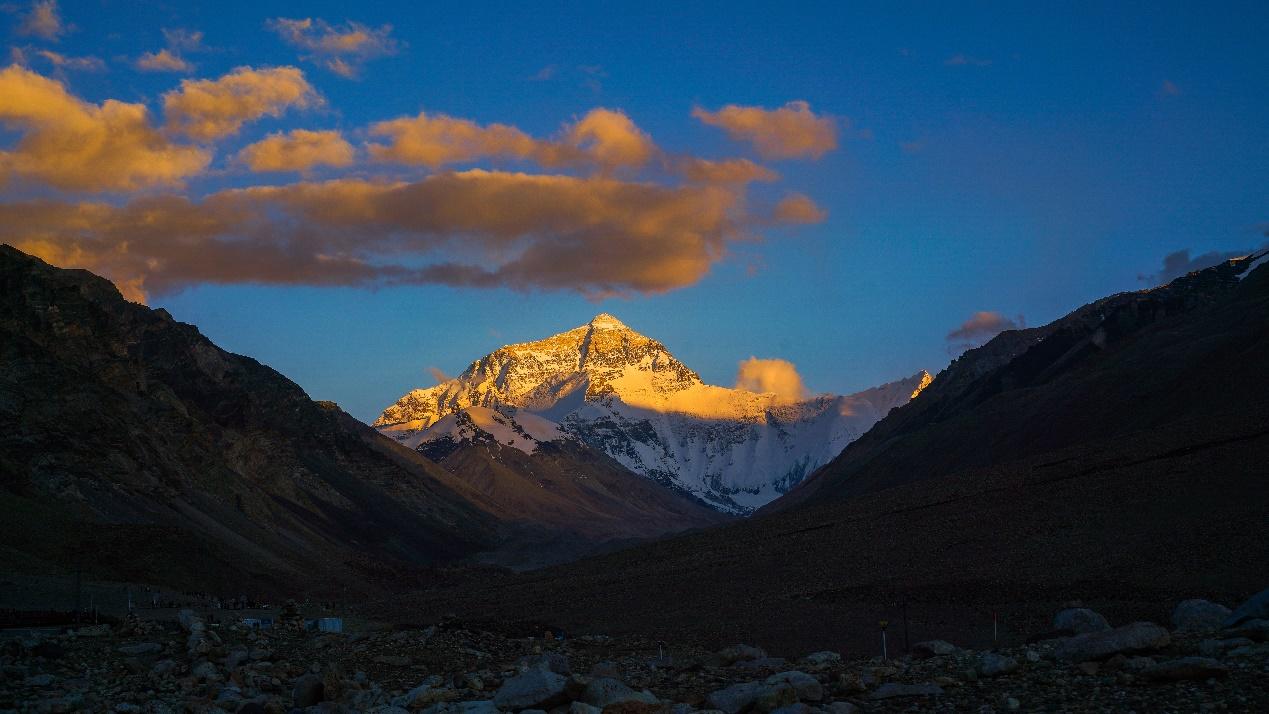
column 1131, row 362
column 134, row 448
column 1130, row 476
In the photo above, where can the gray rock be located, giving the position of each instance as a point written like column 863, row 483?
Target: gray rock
column 932, row 648
column 1260, row 650
column 236, row 658
column 141, row 648
column 1257, row 630
column 1215, row 648
column 478, row 706
column 205, row 671
column 735, row 698
column 1080, row 620
column 604, row 691
column 1175, row 670
column 1255, row 608
column 842, row 708
column 584, row 708
column 739, row 653
column 1137, row 637
column 1198, row 616
column 798, row 708
column 39, row 680
column 308, row 691
column 536, row 688
column 163, row 667
column 807, row 688
column 991, row 664
column 761, row 663
column 822, row 659
column 890, row 690
column 190, row 622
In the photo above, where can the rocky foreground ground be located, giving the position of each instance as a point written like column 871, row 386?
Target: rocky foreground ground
column 1208, row 660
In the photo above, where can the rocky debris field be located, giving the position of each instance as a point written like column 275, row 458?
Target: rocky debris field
column 1207, row 659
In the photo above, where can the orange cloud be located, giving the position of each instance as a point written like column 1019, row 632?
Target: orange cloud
column 43, row 21
column 61, row 61
column 75, row 145
column 797, row 208
column 792, row 131
column 343, row 50
column 162, row 61
column 736, row 171
column 437, row 140
column 611, row 139
column 774, row 376
column 208, row 109
column 297, row 150
column 597, row 235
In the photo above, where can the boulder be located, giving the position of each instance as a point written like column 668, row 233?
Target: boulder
column 890, row 690
column 1136, row 637
column 536, row 688
column 1175, row 670
column 1079, row 620
column 806, row 687
column 1198, row 616
column 583, row 708
column 842, row 708
column 205, row 671
column 605, row 691
column 1255, row 608
column 991, row 664
column 550, row 661
column 1215, row 648
column 308, row 691
column 1257, row 630
column 798, row 708
column 735, row 698
column 932, row 648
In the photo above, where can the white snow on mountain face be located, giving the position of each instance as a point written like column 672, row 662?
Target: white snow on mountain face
column 625, row 394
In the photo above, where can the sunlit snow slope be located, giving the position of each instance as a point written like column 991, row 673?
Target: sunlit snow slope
column 624, row 393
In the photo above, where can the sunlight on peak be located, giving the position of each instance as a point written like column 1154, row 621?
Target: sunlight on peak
column 604, row 321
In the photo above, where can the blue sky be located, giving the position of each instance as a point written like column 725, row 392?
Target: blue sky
column 990, row 157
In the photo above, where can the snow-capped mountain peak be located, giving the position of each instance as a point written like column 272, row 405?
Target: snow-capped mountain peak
column 626, row 394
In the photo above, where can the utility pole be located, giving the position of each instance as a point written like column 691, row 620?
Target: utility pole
column 885, row 654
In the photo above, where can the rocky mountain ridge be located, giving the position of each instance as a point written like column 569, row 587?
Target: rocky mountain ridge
column 627, row 395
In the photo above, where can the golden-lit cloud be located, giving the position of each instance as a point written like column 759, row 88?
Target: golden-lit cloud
column 611, row 139
column 797, row 208
column 208, row 109
column 597, row 235
column 792, row 131
column 75, row 145
column 342, row 49
column 43, row 20
column 775, row 376
column 297, row 150
column 605, row 138
column 437, row 140
column 164, row 60
column 737, row 171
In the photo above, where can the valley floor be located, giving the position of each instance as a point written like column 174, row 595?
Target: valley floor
column 201, row 666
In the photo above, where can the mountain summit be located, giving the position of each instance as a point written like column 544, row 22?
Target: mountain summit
column 624, row 393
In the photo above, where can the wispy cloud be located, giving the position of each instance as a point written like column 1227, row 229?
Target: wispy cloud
column 343, row 49
column 981, row 327
column 963, row 60
column 43, row 20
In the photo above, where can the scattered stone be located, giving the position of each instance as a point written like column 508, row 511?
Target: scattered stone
column 890, row 690
column 39, row 680
column 991, row 664
column 550, row 661
column 583, row 708
column 1175, row 670
column 205, row 671
column 806, row 687
column 141, row 648
column 933, row 648
column 393, row 660
column 822, row 659
column 1255, row 608
column 605, row 691
column 1257, row 630
column 479, row 706
column 1199, row 616
column 1080, row 620
column 1216, row 648
column 534, row 688
column 761, row 663
column 740, row 653
column 1012, row 704
column 1137, row 637
column 735, row 698
column 842, row 708
column 1089, row 668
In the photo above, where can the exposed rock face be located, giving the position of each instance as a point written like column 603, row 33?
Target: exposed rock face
column 625, row 394
column 123, row 429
